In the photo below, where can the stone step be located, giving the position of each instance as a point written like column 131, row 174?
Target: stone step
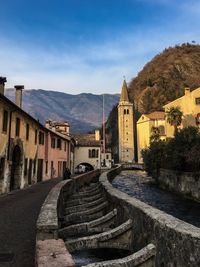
column 142, row 258
column 85, row 194
column 75, row 202
column 88, row 215
column 84, row 207
column 99, row 225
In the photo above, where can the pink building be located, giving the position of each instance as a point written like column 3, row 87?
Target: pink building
column 54, row 153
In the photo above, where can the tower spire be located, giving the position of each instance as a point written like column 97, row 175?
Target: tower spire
column 124, row 93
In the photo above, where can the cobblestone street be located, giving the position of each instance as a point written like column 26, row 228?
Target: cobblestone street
column 18, row 215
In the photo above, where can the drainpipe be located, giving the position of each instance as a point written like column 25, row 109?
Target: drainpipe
column 9, row 134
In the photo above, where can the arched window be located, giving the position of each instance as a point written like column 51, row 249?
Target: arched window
column 161, row 129
column 127, row 112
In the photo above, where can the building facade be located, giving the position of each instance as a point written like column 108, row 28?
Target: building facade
column 87, row 151
column 125, row 127
column 146, row 125
column 27, row 152
column 189, row 104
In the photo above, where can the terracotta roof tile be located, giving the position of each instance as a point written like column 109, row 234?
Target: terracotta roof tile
column 156, row 115
column 86, row 140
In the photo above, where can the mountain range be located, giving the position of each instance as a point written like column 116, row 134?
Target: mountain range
column 84, row 111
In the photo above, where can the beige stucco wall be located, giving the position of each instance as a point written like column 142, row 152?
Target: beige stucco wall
column 125, row 128
column 82, row 156
column 188, row 106
column 3, row 136
column 28, row 147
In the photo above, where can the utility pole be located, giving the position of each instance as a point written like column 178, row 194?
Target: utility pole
column 104, row 132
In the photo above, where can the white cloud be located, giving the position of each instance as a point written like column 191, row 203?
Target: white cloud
column 96, row 67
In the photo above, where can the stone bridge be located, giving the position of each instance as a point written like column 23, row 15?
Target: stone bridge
column 133, row 166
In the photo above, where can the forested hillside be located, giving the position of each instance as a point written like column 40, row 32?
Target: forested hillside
column 162, row 80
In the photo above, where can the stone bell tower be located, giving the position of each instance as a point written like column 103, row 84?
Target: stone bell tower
column 125, row 127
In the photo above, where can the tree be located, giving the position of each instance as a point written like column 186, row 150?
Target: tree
column 174, row 117
column 155, row 134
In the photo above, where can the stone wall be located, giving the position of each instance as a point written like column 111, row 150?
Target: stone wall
column 185, row 183
column 177, row 243
column 51, row 251
column 51, row 212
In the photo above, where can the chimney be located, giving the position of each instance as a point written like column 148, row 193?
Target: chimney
column 18, row 95
column 3, row 80
column 187, row 91
column 97, row 135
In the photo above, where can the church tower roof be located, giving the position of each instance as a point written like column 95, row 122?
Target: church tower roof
column 124, row 93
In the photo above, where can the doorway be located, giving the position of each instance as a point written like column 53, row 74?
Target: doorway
column 30, row 171
column 15, row 169
column 40, row 170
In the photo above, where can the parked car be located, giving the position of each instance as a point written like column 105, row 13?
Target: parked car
column 80, row 169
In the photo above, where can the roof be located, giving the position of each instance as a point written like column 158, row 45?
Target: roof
column 124, row 93
column 156, row 115
column 16, row 108
column 86, row 140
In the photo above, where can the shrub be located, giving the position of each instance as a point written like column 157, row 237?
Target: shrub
column 180, row 153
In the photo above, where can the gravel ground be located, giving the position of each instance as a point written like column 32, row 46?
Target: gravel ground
column 18, row 215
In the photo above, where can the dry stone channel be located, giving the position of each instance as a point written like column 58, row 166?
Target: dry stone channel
column 78, row 214
column 91, row 222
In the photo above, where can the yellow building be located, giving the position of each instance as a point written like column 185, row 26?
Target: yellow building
column 145, row 125
column 189, row 105
column 125, row 127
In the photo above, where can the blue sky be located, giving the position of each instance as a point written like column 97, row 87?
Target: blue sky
column 89, row 45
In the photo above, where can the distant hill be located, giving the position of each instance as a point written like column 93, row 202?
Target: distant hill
column 164, row 78
column 82, row 111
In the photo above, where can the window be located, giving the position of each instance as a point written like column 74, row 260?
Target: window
column 41, row 138
column 124, row 111
column 17, row 130
column 36, row 133
column 5, row 121
column 65, row 148
column 127, row 111
column 27, row 131
column 197, row 100
column 59, row 143
column 89, row 153
column 93, row 153
column 161, row 130
column 53, row 142
column 25, row 167
column 107, row 156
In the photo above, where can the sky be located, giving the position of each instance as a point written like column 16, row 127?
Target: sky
column 78, row 46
